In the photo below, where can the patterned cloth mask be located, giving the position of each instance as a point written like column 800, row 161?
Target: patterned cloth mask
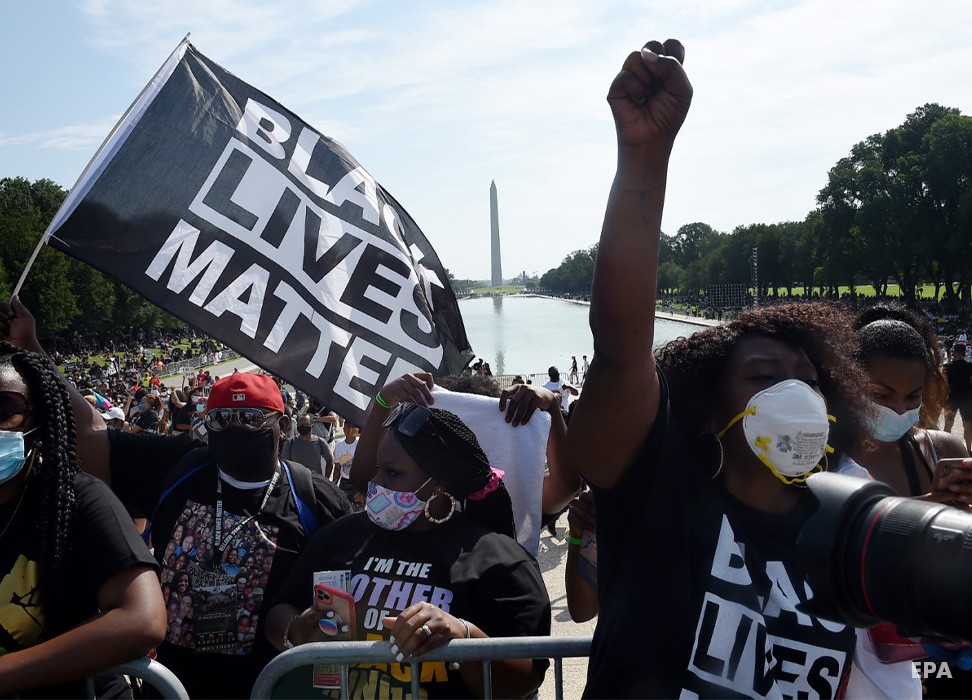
column 393, row 510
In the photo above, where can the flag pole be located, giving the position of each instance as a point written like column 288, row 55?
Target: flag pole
column 116, row 137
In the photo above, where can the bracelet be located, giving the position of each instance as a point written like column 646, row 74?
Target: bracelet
column 381, row 402
column 286, row 635
column 454, row 665
column 574, row 540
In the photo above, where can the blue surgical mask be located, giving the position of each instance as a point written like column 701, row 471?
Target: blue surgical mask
column 12, row 454
column 886, row 425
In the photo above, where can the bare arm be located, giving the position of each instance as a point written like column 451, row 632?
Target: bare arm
column 17, row 326
column 649, row 99
column 415, row 387
column 582, row 600
column 131, row 623
column 562, row 480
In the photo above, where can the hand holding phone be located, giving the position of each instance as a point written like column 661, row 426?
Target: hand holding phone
column 338, row 609
column 952, row 480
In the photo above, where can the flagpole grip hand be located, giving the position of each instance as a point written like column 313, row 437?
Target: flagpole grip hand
column 17, row 326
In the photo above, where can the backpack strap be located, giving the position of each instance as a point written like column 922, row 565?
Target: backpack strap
column 305, row 514
column 185, row 468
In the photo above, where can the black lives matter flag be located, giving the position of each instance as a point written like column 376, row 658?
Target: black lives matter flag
column 224, row 208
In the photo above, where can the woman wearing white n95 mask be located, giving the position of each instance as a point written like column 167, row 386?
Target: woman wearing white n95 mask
column 699, row 493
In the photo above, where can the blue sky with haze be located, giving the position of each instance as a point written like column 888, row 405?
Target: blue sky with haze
column 436, row 99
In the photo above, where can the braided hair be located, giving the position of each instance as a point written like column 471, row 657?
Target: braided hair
column 51, row 482
column 448, row 451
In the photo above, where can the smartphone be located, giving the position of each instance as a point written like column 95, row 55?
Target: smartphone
column 330, row 599
column 949, row 463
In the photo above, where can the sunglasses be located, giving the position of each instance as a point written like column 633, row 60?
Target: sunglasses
column 220, row 419
column 409, row 417
column 13, row 410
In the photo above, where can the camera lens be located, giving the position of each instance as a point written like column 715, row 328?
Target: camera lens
column 871, row 556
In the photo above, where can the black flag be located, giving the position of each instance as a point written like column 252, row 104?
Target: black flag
column 227, row 210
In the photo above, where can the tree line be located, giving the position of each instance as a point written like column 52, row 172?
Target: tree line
column 897, row 207
column 64, row 294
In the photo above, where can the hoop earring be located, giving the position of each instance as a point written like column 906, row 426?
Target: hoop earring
column 452, row 508
column 718, row 443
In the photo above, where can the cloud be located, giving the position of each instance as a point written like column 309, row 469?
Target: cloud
column 72, row 137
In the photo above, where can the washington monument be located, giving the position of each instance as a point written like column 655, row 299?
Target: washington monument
column 497, row 279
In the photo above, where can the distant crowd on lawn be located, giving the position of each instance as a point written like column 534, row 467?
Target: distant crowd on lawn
column 115, row 362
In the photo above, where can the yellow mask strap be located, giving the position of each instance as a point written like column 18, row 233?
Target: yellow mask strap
column 750, row 411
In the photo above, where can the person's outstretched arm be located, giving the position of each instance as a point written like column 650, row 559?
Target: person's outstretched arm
column 649, row 99
column 415, row 387
column 17, row 326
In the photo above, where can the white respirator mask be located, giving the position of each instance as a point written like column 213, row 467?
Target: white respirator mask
column 787, row 426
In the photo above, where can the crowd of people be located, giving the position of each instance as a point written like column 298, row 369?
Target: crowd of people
column 682, row 469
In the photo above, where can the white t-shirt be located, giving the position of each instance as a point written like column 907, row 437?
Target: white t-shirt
column 343, row 454
column 564, row 394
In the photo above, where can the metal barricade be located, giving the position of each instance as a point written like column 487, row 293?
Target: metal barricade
column 153, row 673
column 345, row 654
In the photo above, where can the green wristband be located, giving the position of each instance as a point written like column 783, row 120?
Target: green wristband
column 381, row 402
column 574, row 540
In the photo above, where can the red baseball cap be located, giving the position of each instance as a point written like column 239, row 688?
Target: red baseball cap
column 245, row 390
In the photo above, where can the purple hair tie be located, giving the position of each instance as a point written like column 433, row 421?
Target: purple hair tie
column 493, row 484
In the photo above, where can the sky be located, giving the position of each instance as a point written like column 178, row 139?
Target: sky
column 438, row 99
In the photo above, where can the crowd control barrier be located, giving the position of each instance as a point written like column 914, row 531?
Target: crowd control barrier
column 152, row 672
column 345, row 654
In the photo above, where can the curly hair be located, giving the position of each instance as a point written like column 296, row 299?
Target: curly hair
column 51, row 483
column 694, row 366
column 448, row 451
column 934, row 396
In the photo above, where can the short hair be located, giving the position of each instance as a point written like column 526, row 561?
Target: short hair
column 889, row 338
column 470, row 384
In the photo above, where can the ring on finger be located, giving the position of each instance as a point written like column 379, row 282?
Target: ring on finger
column 426, row 630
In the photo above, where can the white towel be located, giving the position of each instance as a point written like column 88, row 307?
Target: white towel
column 521, row 452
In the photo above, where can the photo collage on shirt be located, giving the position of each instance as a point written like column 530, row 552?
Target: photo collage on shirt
column 213, row 596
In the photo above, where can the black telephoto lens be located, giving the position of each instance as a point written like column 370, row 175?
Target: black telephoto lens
column 871, row 556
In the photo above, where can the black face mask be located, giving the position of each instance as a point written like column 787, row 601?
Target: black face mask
column 304, row 429
column 238, row 450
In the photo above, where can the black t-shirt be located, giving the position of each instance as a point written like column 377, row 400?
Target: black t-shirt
column 698, row 593
column 103, row 543
column 182, row 416
column 468, row 571
column 148, row 421
column 209, row 591
column 959, row 375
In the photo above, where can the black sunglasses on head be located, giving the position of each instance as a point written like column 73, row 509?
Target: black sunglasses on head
column 408, row 418
column 14, row 410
